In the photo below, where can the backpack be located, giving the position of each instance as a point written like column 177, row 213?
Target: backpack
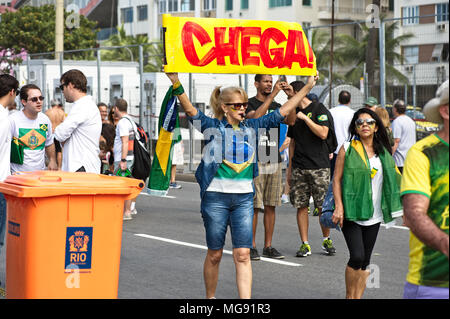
column 331, row 140
column 141, row 164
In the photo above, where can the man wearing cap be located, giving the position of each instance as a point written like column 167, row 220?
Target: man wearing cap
column 404, row 132
column 371, row 103
column 56, row 115
column 424, row 191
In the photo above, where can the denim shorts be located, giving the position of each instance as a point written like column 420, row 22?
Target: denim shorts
column 220, row 210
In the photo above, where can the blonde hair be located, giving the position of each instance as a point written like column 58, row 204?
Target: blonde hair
column 384, row 116
column 224, row 95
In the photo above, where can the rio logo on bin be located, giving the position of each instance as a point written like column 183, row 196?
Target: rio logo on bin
column 78, row 247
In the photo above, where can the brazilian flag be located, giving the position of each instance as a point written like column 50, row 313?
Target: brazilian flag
column 169, row 124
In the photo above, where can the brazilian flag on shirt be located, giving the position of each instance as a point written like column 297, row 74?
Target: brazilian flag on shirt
column 29, row 139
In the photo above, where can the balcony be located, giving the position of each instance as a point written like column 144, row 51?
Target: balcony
column 342, row 13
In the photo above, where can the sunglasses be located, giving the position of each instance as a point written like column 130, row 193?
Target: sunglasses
column 237, row 106
column 360, row 122
column 61, row 87
column 37, row 98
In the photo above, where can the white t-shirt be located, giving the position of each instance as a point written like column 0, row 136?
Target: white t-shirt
column 377, row 190
column 81, row 133
column 5, row 144
column 342, row 117
column 124, row 128
column 35, row 135
column 404, row 128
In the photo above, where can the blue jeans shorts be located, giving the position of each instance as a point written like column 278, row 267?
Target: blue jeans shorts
column 220, row 210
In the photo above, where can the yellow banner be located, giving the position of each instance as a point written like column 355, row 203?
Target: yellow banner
column 206, row 45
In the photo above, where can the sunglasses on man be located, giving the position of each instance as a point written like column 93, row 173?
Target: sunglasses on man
column 37, row 98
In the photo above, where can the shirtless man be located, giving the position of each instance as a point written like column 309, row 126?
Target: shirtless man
column 56, row 115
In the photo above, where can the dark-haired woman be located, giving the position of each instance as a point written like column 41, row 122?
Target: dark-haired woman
column 366, row 192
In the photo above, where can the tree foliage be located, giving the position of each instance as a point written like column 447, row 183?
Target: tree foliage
column 33, row 28
column 153, row 52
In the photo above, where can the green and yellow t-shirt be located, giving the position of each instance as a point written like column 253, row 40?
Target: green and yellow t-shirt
column 426, row 172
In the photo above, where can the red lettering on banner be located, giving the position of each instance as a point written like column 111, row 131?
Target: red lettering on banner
column 190, row 30
column 295, row 51
column 278, row 53
column 247, row 48
column 227, row 49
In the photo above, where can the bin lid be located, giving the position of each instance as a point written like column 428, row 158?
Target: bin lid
column 57, row 183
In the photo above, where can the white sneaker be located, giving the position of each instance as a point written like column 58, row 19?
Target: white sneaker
column 127, row 217
column 134, row 211
column 285, row 199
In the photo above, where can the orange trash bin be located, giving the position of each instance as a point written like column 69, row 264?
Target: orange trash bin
column 64, row 233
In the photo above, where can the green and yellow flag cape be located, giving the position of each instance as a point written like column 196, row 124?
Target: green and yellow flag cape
column 169, row 126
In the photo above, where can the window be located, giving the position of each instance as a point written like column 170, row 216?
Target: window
column 228, row 5
column 244, row 4
column 442, row 12
column 279, row 3
column 187, row 5
column 142, row 13
column 162, row 6
column 411, row 13
column 209, row 5
column 173, row 5
column 306, row 3
column 127, row 15
column 411, row 54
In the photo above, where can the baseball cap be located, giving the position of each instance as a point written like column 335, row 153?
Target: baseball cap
column 431, row 109
column 371, row 101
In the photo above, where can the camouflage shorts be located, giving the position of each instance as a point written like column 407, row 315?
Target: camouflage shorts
column 306, row 183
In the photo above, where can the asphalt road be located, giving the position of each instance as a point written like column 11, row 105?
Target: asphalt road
column 163, row 250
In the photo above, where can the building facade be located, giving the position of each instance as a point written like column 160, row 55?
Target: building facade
column 425, row 54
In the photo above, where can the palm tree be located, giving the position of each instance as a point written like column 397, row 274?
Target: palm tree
column 153, row 52
column 355, row 54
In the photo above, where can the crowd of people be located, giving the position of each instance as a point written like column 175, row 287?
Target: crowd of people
column 364, row 169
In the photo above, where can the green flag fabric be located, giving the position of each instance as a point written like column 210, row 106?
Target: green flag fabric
column 169, row 134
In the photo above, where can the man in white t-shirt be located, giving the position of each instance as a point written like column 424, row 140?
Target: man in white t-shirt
column 342, row 116
column 404, row 131
column 8, row 91
column 123, row 148
column 33, row 131
column 80, row 131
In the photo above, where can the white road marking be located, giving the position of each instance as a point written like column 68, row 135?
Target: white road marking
column 397, row 227
column 228, row 252
column 147, row 194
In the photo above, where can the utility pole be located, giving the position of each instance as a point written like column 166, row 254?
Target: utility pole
column 59, row 28
column 331, row 55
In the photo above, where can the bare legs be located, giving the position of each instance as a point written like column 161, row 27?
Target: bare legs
column 242, row 262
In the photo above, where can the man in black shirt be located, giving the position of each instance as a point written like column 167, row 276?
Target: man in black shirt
column 268, row 185
column 309, row 165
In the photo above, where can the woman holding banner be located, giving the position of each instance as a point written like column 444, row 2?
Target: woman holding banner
column 226, row 174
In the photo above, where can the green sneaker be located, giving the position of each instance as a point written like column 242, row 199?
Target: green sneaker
column 316, row 212
column 305, row 250
column 327, row 245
